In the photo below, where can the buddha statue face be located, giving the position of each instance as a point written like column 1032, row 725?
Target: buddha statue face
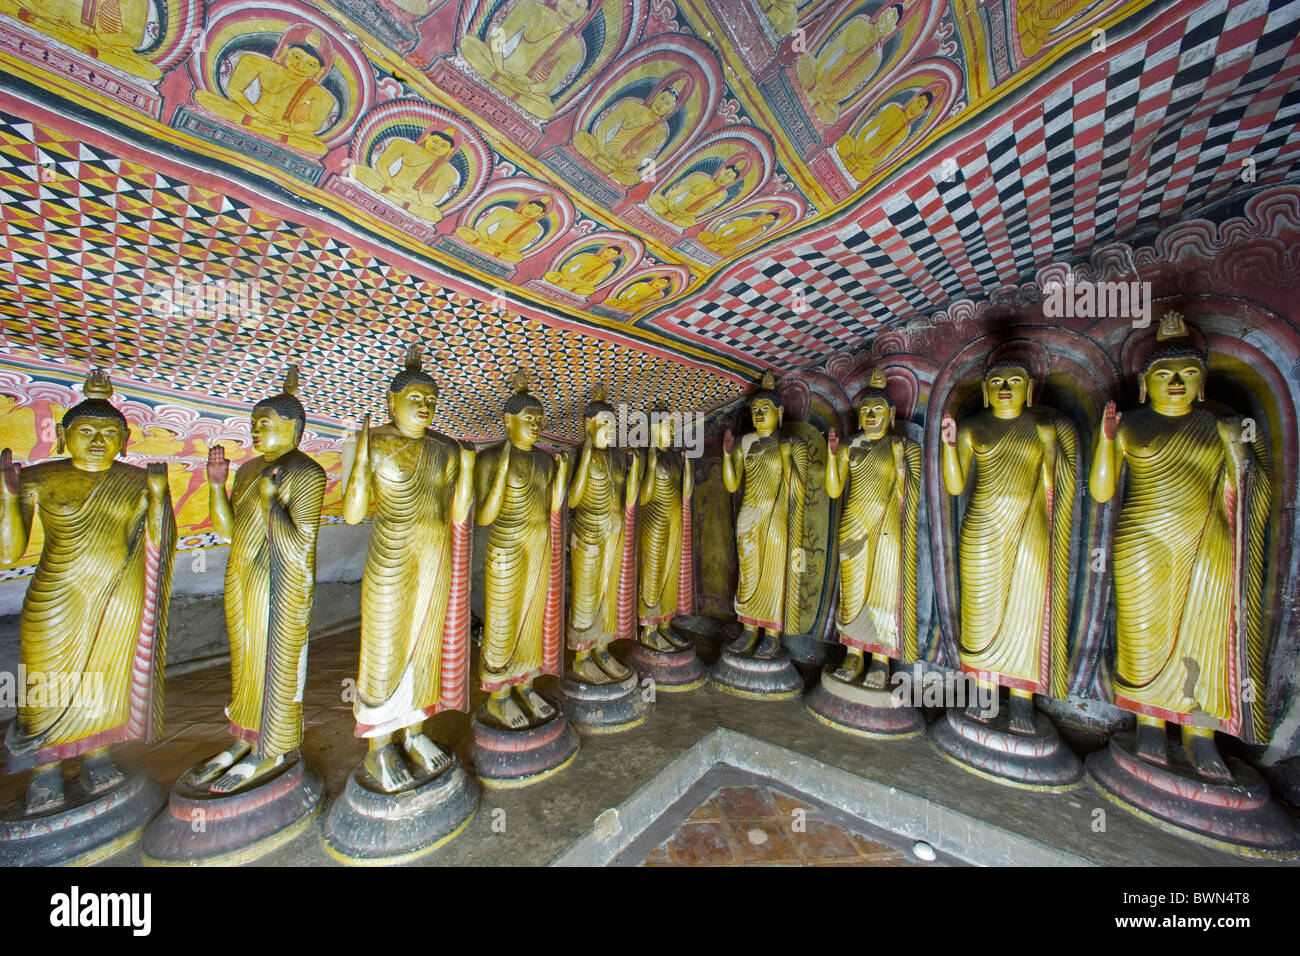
column 600, row 429
column 412, row 408
column 609, row 253
column 93, row 443
column 1173, row 384
column 272, row 435
column 1006, row 390
column 435, row 145
column 875, row 416
column 532, row 210
column 916, row 108
column 524, row 428
column 726, row 175
column 766, row 415
column 301, row 63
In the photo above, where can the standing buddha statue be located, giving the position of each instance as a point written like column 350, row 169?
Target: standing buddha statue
column 271, row 520
column 877, row 539
column 94, row 619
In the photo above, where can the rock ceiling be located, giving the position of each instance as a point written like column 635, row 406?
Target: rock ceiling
column 661, row 197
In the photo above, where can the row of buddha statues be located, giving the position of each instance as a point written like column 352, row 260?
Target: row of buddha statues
column 1188, row 572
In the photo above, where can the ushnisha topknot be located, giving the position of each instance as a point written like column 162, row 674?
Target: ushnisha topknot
column 412, row 373
column 521, row 399
column 98, row 390
column 766, row 389
column 1174, row 331
column 598, row 403
column 286, row 404
column 876, row 386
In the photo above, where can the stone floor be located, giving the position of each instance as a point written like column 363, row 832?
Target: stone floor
column 646, row 795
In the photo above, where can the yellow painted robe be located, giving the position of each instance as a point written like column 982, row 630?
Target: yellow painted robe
column 270, row 583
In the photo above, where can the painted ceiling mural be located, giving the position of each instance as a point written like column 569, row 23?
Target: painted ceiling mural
column 664, row 196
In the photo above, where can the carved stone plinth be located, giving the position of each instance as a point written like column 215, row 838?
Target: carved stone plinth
column 854, row 709
column 85, row 829
column 604, row 708
column 517, row 758
column 1037, row 761
column 1240, row 817
column 201, row 828
column 758, row 678
column 672, row 671
column 368, row 827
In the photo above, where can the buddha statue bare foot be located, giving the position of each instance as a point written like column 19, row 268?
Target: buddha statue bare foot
column 535, row 703
column 247, row 771
column 877, row 674
column 1205, row 756
column 769, row 647
column 851, row 669
column 745, row 643
column 1152, row 744
column 99, row 773
column 424, row 753
column 588, row 671
column 387, row 768
column 654, row 640
column 506, row 711
column 673, row 638
column 45, row 789
column 1022, row 714
column 611, row 664
column 220, row 763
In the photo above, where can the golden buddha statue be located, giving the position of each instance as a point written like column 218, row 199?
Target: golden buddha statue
column 847, row 63
column 281, row 96
column 773, row 473
column 629, row 134
column 696, row 195
column 729, row 237
column 881, row 136
column 1013, row 550
column 1188, row 559
column 519, row 493
column 110, row 32
column 877, row 539
column 415, row 588
column 665, row 491
column 636, row 295
column 582, row 273
column 505, row 232
column 94, row 620
column 531, row 53
column 416, row 176
column 603, row 498
column 271, row 520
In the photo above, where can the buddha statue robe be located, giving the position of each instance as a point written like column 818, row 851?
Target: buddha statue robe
column 1014, row 553
column 602, row 552
column 415, row 589
column 665, row 583
column 770, row 518
column 1188, row 556
column 270, row 582
column 524, row 576
column 95, row 616
column 877, row 550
